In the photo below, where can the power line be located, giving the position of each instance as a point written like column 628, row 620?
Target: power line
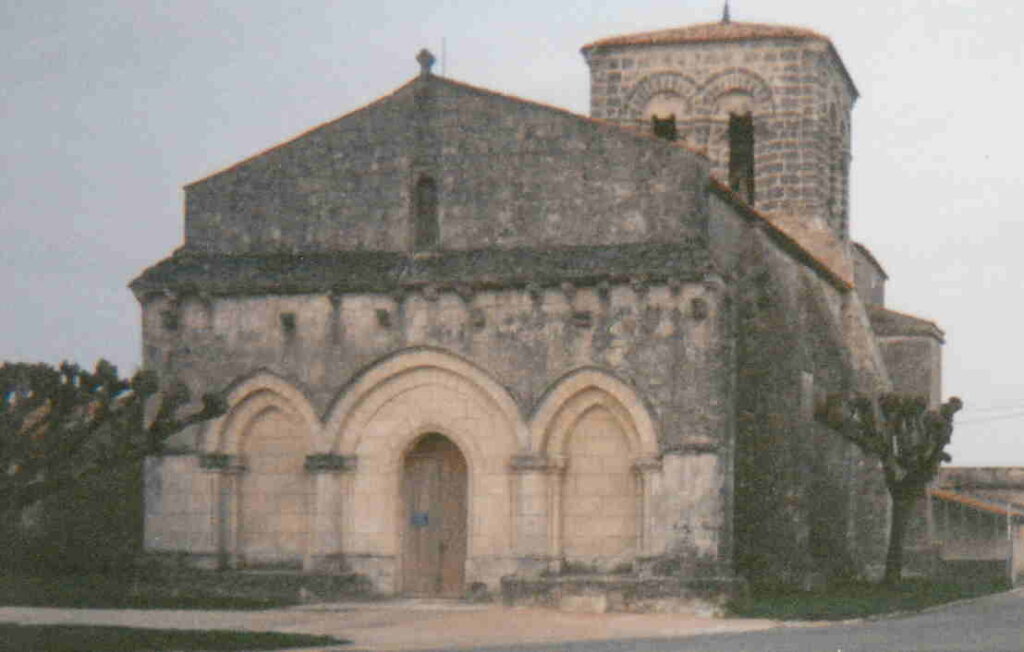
column 998, row 408
column 1000, row 417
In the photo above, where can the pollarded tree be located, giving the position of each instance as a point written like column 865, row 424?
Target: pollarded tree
column 908, row 439
column 58, row 425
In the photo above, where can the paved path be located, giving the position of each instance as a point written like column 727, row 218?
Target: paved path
column 990, row 624
column 994, row 623
column 407, row 624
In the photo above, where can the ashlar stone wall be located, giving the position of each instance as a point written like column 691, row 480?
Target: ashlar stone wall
column 581, row 411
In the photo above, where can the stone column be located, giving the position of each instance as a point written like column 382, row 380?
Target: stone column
column 532, row 525
column 224, row 475
column 648, row 471
column 555, row 479
column 324, row 551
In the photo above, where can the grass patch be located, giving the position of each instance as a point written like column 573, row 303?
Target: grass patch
column 69, row 638
column 855, row 600
column 106, row 592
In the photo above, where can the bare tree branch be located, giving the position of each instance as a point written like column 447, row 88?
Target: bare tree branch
column 58, row 425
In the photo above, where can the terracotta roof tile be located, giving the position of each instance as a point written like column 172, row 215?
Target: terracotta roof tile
column 709, row 32
column 1004, row 509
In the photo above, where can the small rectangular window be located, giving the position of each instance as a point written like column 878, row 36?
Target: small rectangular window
column 741, row 155
column 169, row 319
column 427, row 231
column 665, row 127
column 288, row 323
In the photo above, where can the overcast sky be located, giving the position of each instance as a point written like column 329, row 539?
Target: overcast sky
column 111, row 106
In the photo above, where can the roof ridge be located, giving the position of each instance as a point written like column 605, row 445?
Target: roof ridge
column 610, row 124
column 1008, row 508
column 458, row 84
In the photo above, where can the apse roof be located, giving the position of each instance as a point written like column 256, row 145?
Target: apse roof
column 887, row 322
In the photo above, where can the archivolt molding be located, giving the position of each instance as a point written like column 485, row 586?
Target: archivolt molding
column 671, row 83
column 580, row 392
column 404, row 372
column 465, row 438
column 250, row 399
column 735, row 80
column 578, row 407
column 701, row 100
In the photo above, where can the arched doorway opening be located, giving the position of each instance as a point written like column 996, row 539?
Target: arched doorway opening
column 434, row 492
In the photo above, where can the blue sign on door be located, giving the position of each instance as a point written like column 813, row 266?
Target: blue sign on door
column 419, row 519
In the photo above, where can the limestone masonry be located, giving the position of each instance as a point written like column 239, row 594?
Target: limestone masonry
column 477, row 344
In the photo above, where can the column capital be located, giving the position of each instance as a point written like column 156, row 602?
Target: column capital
column 330, row 463
column 647, row 464
column 536, row 463
column 694, row 447
column 221, row 463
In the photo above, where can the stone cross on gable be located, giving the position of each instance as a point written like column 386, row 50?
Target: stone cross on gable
column 426, row 61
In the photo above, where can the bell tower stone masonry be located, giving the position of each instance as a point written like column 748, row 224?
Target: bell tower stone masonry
column 768, row 104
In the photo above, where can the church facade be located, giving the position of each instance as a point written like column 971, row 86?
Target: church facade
column 473, row 342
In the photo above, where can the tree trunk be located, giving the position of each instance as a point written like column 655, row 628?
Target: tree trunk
column 902, row 506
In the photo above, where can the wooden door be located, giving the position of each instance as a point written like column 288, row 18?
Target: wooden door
column 434, row 501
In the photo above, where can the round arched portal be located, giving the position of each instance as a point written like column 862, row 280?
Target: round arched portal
column 434, row 507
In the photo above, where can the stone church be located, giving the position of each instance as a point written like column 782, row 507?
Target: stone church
column 474, row 343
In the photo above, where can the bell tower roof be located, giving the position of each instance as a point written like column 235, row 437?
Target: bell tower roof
column 724, row 30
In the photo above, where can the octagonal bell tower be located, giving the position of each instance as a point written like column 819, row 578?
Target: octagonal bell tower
column 769, row 105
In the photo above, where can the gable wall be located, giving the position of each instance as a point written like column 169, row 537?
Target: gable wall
column 514, row 174
column 510, row 173
column 341, row 186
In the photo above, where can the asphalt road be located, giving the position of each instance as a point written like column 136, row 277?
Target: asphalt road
column 991, row 624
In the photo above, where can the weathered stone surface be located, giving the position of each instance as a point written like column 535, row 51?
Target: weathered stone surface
column 610, row 593
column 510, row 173
column 625, row 353
column 796, row 90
